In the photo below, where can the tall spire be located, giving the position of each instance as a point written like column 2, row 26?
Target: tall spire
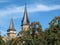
column 25, row 19
column 11, row 24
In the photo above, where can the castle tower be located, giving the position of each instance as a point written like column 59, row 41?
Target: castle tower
column 25, row 21
column 11, row 32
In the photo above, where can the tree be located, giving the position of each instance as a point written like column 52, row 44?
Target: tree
column 1, row 40
column 54, row 29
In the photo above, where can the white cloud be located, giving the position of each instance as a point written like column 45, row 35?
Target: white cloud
column 10, row 10
column 31, row 8
column 44, row 8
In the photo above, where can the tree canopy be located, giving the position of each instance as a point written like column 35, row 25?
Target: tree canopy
column 36, row 36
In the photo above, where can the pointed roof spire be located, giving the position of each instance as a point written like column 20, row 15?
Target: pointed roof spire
column 25, row 19
column 11, row 24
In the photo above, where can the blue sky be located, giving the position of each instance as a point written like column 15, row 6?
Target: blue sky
column 38, row 10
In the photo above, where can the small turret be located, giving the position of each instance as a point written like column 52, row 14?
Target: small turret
column 11, row 32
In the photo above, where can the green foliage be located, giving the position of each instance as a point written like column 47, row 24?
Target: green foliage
column 1, row 41
column 50, row 36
